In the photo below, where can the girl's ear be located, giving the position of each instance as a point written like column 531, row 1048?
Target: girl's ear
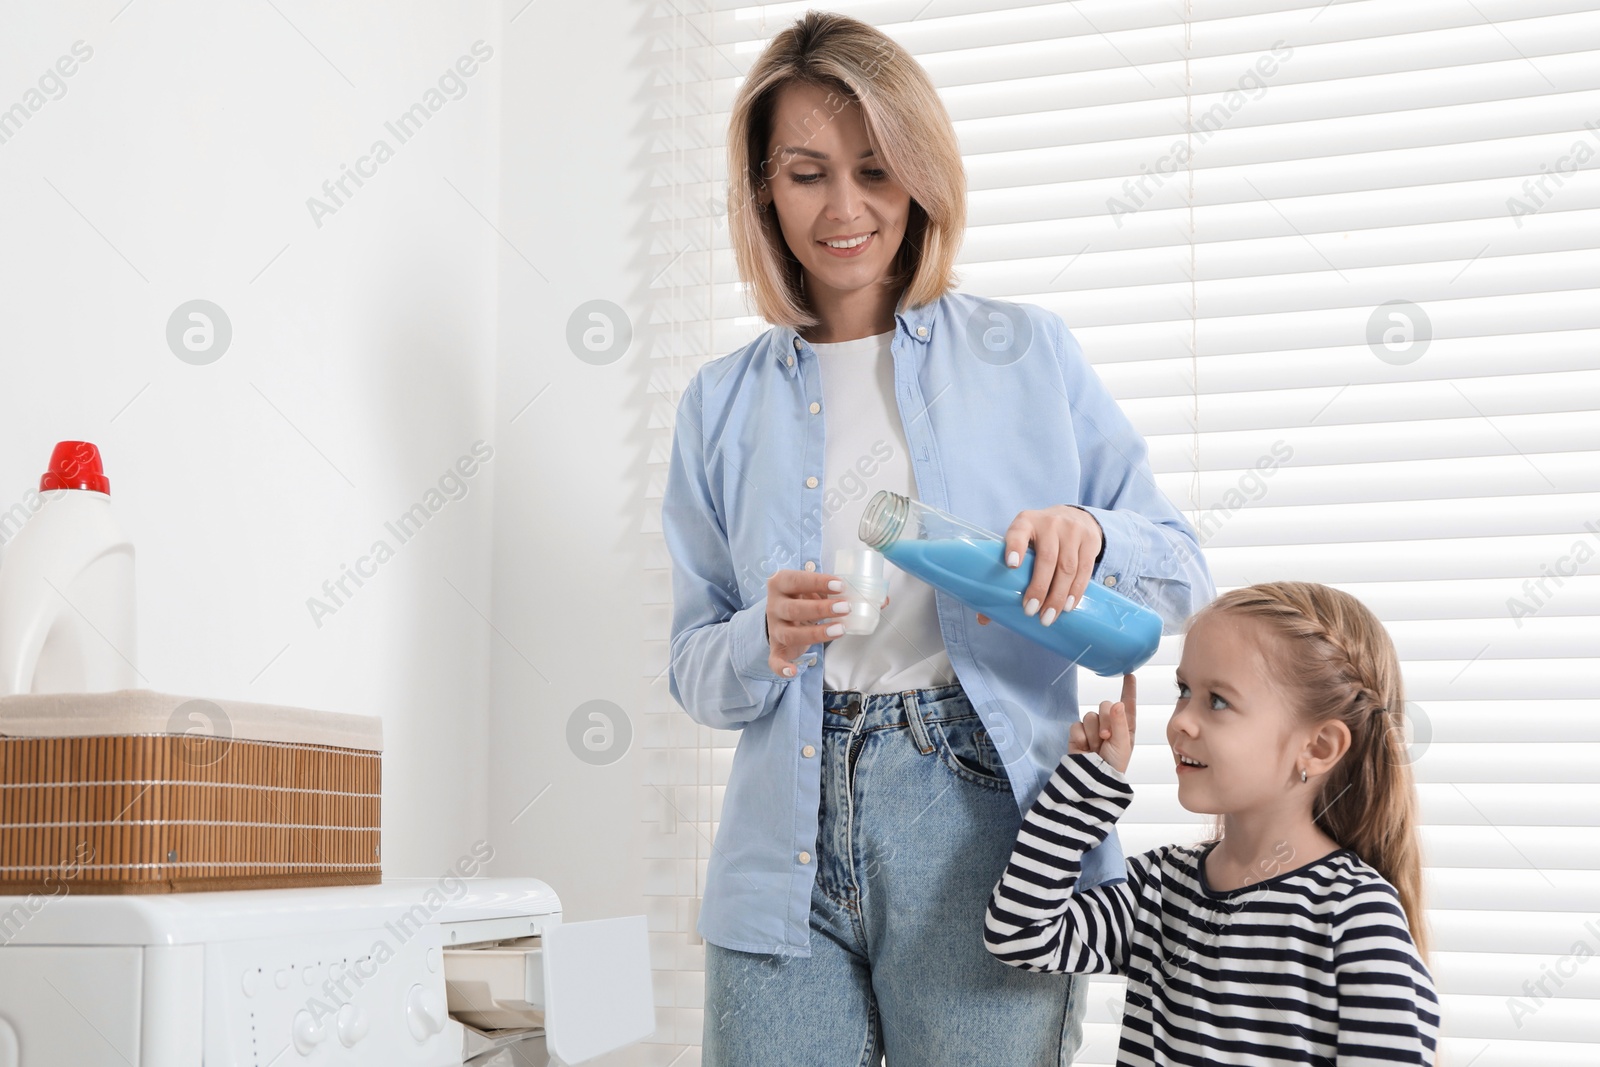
column 1327, row 745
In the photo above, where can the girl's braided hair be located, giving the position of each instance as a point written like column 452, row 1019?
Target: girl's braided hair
column 1333, row 659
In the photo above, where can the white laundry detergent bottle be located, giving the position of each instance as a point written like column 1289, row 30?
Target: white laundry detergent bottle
column 67, row 620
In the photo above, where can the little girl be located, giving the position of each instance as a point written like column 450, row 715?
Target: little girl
column 1295, row 935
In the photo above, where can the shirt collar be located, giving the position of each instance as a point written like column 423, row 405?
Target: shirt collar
column 917, row 324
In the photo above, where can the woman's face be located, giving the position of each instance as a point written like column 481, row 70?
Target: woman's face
column 825, row 180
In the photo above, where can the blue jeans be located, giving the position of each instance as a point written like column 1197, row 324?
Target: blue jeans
column 917, row 824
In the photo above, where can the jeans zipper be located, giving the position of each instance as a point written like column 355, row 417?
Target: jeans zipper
column 857, row 738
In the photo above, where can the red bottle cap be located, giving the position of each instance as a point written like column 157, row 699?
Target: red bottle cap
column 75, row 465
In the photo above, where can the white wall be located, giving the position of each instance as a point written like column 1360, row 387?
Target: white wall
column 372, row 346
column 569, row 496
column 177, row 165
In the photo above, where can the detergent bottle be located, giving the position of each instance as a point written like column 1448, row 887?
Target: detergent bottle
column 66, row 586
column 1105, row 632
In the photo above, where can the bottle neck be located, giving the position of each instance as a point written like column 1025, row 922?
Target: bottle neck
column 884, row 519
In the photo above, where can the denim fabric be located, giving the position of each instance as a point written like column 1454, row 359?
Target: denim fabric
column 1001, row 412
column 917, row 823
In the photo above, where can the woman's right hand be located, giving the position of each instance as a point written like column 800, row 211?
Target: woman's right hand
column 802, row 607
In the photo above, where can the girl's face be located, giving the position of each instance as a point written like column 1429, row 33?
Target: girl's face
column 826, row 182
column 1231, row 718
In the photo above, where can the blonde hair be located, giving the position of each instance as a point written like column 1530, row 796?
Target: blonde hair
column 1334, row 660
column 906, row 123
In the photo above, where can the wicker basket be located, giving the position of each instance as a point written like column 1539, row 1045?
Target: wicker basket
column 142, row 792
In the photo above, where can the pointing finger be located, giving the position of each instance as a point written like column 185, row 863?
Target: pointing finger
column 1130, row 692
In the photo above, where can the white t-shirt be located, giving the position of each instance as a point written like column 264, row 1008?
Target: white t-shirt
column 866, row 451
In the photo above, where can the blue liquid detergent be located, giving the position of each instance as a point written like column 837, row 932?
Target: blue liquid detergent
column 1107, row 632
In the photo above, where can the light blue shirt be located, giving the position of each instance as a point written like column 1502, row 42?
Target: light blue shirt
column 1002, row 413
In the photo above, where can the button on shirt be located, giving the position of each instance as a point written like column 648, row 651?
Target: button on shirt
column 1001, row 412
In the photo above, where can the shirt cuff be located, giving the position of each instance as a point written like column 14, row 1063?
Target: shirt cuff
column 750, row 647
column 1120, row 544
column 1101, row 554
column 1123, row 786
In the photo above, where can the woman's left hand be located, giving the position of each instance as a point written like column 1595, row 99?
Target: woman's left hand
column 1066, row 541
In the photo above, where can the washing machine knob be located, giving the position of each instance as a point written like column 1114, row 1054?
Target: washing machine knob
column 352, row 1024
column 425, row 1013
column 306, row 1032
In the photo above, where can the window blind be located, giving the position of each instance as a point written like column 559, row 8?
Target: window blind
column 1340, row 264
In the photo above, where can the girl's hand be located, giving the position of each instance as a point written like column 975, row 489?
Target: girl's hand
column 1066, row 540
column 1109, row 731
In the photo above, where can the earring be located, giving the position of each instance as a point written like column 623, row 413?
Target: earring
column 1302, row 774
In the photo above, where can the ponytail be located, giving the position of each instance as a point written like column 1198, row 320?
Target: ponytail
column 1337, row 661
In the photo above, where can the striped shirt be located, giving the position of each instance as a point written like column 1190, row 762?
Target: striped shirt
column 1313, row 965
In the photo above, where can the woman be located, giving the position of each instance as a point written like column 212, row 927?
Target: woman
column 880, row 779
